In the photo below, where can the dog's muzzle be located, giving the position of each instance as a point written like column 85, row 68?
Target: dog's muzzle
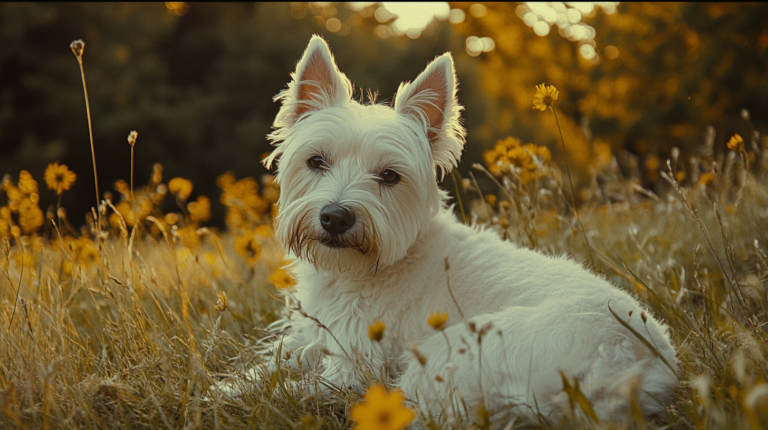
column 336, row 220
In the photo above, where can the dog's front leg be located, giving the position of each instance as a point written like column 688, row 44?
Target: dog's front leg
column 296, row 353
column 339, row 373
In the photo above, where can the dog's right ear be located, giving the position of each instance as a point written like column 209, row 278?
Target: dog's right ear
column 317, row 84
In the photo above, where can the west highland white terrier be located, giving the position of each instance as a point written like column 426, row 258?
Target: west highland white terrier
column 361, row 210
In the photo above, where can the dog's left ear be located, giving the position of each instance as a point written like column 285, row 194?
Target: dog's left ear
column 431, row 101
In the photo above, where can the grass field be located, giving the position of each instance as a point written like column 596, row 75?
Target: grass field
column 126, row 325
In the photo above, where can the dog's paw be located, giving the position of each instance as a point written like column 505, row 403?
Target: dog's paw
column 239, row 384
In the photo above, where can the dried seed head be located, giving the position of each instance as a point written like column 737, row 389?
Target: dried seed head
column 78, row 46
column 482, row 332
column 132, row 138
column 644, row 317
column 221, row 304
column 419, row 356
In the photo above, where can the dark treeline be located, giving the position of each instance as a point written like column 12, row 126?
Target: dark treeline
column 198, row 84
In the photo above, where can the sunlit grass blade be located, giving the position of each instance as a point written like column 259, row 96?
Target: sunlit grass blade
column 642, row 339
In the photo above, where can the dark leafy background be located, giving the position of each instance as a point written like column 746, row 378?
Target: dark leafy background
column 198, row 87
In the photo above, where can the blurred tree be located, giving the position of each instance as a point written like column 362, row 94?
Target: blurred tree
column 195, row 80
column 662, row 73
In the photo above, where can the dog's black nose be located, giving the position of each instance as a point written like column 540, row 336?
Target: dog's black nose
column 336, row 219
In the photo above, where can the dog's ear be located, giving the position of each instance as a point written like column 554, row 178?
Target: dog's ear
column 431, row 101
column 317, row 84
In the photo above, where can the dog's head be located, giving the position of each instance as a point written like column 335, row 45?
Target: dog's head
column 358, row 182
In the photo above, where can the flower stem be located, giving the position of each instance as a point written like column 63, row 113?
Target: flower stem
column 570, row 182
column 448, row 342
column 58, row 210
column 131, row 172
column 458, row 196
column 90, row 131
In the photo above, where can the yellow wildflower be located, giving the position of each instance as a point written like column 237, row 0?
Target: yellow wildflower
column 89, row 254
column 544, row 96
column 437, row 320
column 263, row 230
column 27, row 184
column 242, row 199
column 30, row 216
column 200, row 210
column 247, row 246
column 526, row 160
column 496, row 157
column 181, row 187
column 736, row 143
column 706, row 178
column 5, row 228
column 122, row 187
column 58, row 177
column 14, row 196
column 188, row 237
column 210, row 258
column 171, row 218
column 382, row 411
column 226, row 180
column 157, row 173
column 271, row 190
column 652, row 162
column 376, row 331
column 280, row 278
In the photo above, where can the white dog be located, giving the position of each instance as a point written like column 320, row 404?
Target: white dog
column 361, row 210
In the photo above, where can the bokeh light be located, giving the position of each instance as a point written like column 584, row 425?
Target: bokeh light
column 177, row 8
column 541, row 16
column 477, row 45
column 412, row 18
column 456, row 16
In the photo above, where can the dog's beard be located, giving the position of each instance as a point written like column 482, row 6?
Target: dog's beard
column 356, row 251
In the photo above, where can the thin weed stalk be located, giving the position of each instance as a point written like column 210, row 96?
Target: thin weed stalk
column 458, row 196
column 570, row 182
column 132, row 136
column 78, row 46
column 132, row 199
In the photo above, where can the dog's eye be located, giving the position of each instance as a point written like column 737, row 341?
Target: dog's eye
column 316, row 162
column 390, row 177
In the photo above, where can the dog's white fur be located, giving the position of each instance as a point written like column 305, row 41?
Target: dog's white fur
column 544, row 315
